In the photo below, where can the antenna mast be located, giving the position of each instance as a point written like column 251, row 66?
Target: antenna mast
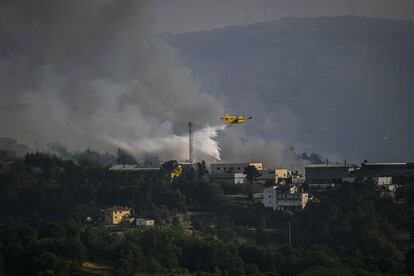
column 190, row 141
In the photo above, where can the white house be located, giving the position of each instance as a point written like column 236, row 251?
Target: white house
column 383, row 180
column 291, row 199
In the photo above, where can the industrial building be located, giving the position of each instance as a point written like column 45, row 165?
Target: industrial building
column 386, row 169
column 220, row 168
column 232, row 173
column 267, row 176
column 326, row 175
column 229, row 178
column 322, row 176
column 336, row 173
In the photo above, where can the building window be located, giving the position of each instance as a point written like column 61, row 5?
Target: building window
column 218, row 168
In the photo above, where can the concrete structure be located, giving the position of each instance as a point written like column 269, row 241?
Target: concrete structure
column 297, row 179
column 267, row 176
column 223, row 177
column 290, row 199
column 386, row 169
column 145, row 223
column 269, row 196
column 281, row 173
column 220, row 168
column 239, row 178
column 323, row 176
column 258, row 165
column 233, row 173
column 383, row 180
column 230, row 178
column 328, row 174
column 296, row 201
column 115, row 214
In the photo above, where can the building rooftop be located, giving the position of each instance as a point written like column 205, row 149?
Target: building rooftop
column 127, row 167
column 331, row 166
column 384, row 164
column 232, row 163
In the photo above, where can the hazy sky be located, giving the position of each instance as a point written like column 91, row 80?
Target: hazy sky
column 194, row 15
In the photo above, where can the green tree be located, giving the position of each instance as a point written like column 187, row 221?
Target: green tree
column 251, row 173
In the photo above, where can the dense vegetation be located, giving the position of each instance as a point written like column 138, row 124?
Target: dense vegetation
column 44, row 201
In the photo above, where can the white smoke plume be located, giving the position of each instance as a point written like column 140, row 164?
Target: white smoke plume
column 238, row 146
column 176, row 146
column 90, row 73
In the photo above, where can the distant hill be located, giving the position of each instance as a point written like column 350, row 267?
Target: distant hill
column 338, row 85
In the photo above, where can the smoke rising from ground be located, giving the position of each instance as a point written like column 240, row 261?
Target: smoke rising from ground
column 237, row 145
column 176, row 146
column 89, row 73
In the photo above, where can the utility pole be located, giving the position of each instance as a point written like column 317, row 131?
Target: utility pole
column 190, row 142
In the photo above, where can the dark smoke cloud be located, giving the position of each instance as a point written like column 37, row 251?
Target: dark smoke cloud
column 91, row 74
column 87, row 73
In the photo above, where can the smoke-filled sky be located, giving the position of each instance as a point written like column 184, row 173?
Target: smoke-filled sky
column 94, row 74
column 91, row 74
column 194, row 15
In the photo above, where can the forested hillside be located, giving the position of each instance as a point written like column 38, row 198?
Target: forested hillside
column 340, row 85
column 44, row 202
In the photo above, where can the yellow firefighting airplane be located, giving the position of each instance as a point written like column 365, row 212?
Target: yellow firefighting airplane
column 235, row 119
